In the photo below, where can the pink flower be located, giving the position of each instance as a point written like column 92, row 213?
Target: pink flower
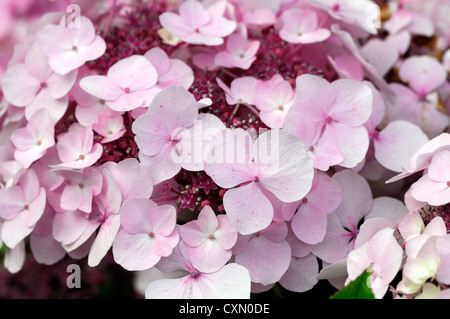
column 334, row 113
column 170, row 71
column 397, row 141
column 364, row 14
column 309, row 223
column 382, row 255
column 421, row 159
column 239, row 52
column 434, row 186
column 301, row 274
column 158, row 131
column 302, row 26
column 129, row 84
column 241, row 90
column 21, row 206
column 208, row 240
column 34, row 85
column 277, row 162
column 405, row 19
column 232, row 281
column 89, row 108
column 417, row 103
column 79, row 189
column 132, row 178
column 148, row 233
column 357, row 205
column 45, row 249
column 76, row 148
column 196, row 25
column 253, row 250
column 97, row 229
column 111, row 127
column 31, row 142
column 69, row 48
column 273, row 98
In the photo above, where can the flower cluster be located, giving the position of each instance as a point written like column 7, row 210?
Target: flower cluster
column 196, row 140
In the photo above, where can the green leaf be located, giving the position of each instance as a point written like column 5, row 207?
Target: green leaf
column 357, row 289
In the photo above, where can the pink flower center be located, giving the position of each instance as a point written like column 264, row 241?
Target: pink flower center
column 375, row 134
column 81, row 185
column 151, row 234
column 304, row 200
column 101, row 101
column 311, row 148
column 38, row 142
column 126, row 90
column 211, row 236
column 194, row 273
column 256, row 179
column 281, row 107
column 26, row 206
column 241, row 55
column 81, row 157
column 74, row 48
column 328, row 119
column 257, row 234
column 335, row 7
column 448, row 183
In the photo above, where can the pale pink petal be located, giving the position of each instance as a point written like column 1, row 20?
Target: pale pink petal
column 104, row 240
column 134, row 252
column 135, row 215
column 163, row 219
column 381, row 55
column 219, row 27
column 253, row 258
column 175, row 24
column 101, row 87
column 134, row 73
column 60, row 85
column 352, row 143
column 44, row 100
column 438, row 170
column 46, row 250
column 179, row 74
column 69, row 226
column 348, row 67
column 353, row 104
column 427, row 190
column 356, row 196
column 208, row 257
column 286, row 169
column 163, row 165
column 230, row 282
column 301, row 274
column 194, row 14
column 228, row 162
column 15, row 258
column 423, row 74
column 132, row 178
column 397, row 143
column 18, row 86
column 151, row 132
column 196, row 141
column 176, row 106
column 127, row 102
column 248, row 208
column 387, row 207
